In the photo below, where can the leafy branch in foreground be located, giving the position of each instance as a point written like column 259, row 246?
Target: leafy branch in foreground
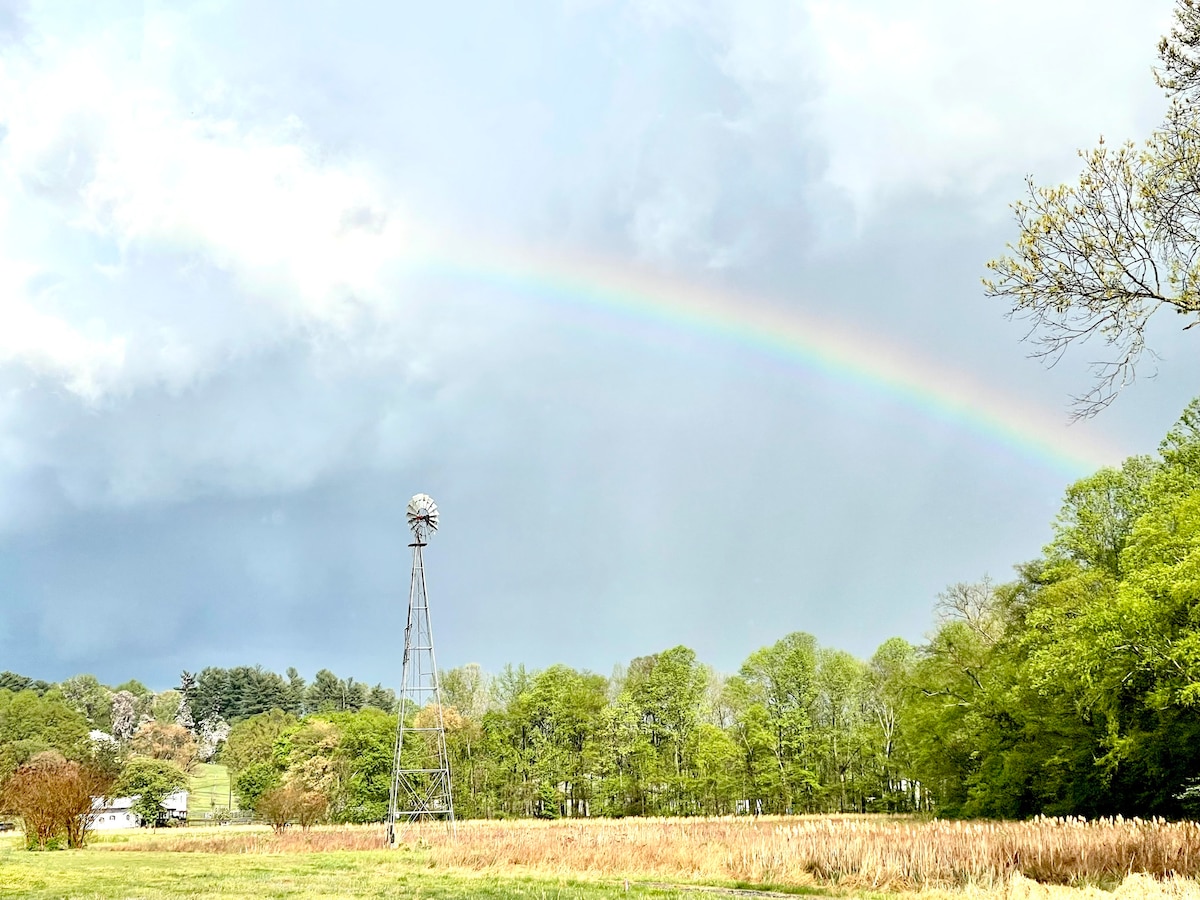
column 1096, row 259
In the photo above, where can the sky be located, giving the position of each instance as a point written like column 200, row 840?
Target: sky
column 673, row 307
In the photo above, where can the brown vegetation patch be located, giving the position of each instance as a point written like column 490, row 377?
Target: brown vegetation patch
column 861, row 852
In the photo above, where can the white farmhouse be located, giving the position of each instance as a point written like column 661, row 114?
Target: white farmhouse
column 118, row 813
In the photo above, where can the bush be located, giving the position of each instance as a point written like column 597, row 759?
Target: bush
column 32, row 842
column 54, row 796
column 284, row 806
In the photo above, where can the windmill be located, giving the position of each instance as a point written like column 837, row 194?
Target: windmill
column 421, row 768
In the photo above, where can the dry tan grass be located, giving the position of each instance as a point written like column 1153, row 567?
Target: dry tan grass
column 854, row 852
column 861, row 852
column 1134, row 887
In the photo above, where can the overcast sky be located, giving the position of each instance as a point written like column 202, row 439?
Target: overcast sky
column 227, row 359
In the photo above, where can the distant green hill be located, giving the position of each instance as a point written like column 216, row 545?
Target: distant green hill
column 209, row 790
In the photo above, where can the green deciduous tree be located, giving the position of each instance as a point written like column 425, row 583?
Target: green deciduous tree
column 841, row 728
column 1098, row 514
column 254, row 780
column 466, row 688
column 890, row 677
column 666, row 690
column 88, row 696
column 776, row 691
column 363, row 758
column 252, row 740
column 150, row 782
column 30, row 723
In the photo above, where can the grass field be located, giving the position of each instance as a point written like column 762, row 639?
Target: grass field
column 598, row 859
column 209, row 789
column 99, row 873
column 161, row 875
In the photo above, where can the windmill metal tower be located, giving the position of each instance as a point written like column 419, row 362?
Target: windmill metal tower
column 421, row 768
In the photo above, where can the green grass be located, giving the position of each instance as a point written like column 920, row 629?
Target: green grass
column 99, row 874
column 209, row 788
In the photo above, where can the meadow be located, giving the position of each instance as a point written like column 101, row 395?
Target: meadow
column 209, row 790
column 1064, row 859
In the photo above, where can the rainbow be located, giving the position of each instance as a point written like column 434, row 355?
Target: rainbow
column 854, row 357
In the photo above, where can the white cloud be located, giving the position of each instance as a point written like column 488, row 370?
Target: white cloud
column 105, row 169
column 931, row 94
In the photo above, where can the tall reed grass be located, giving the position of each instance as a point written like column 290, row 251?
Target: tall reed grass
column 861, row 852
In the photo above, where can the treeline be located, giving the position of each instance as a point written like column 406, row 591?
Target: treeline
column 215, row 693
column 61, row 745
column 1073, row 689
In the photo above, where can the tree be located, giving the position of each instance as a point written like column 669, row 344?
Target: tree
column 839, row 717
column 466, row 689
column 717, row 765
column 31, row 792
column 211, row 734
column 891, row 677
column 1099, row 512
column 30, row 723
column 253, row 740
column 1097, row 259
column 308, row 755
column 254, row 780
column 158, row 740
column 236, row 693
column 164, row 705
column 363, row 759
column 105, row 754
column 956, row 680
column 666, row 689
column 295, row 692
column 11, row 681
column 90, row 697
column 187, row 689
column 150, row 782
column 469, row 764
column 54, row 796
column 776, row 691
column 123, row 715
column 559, row 714
column 276, row 807
column 326, row 693
column 382, row 698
